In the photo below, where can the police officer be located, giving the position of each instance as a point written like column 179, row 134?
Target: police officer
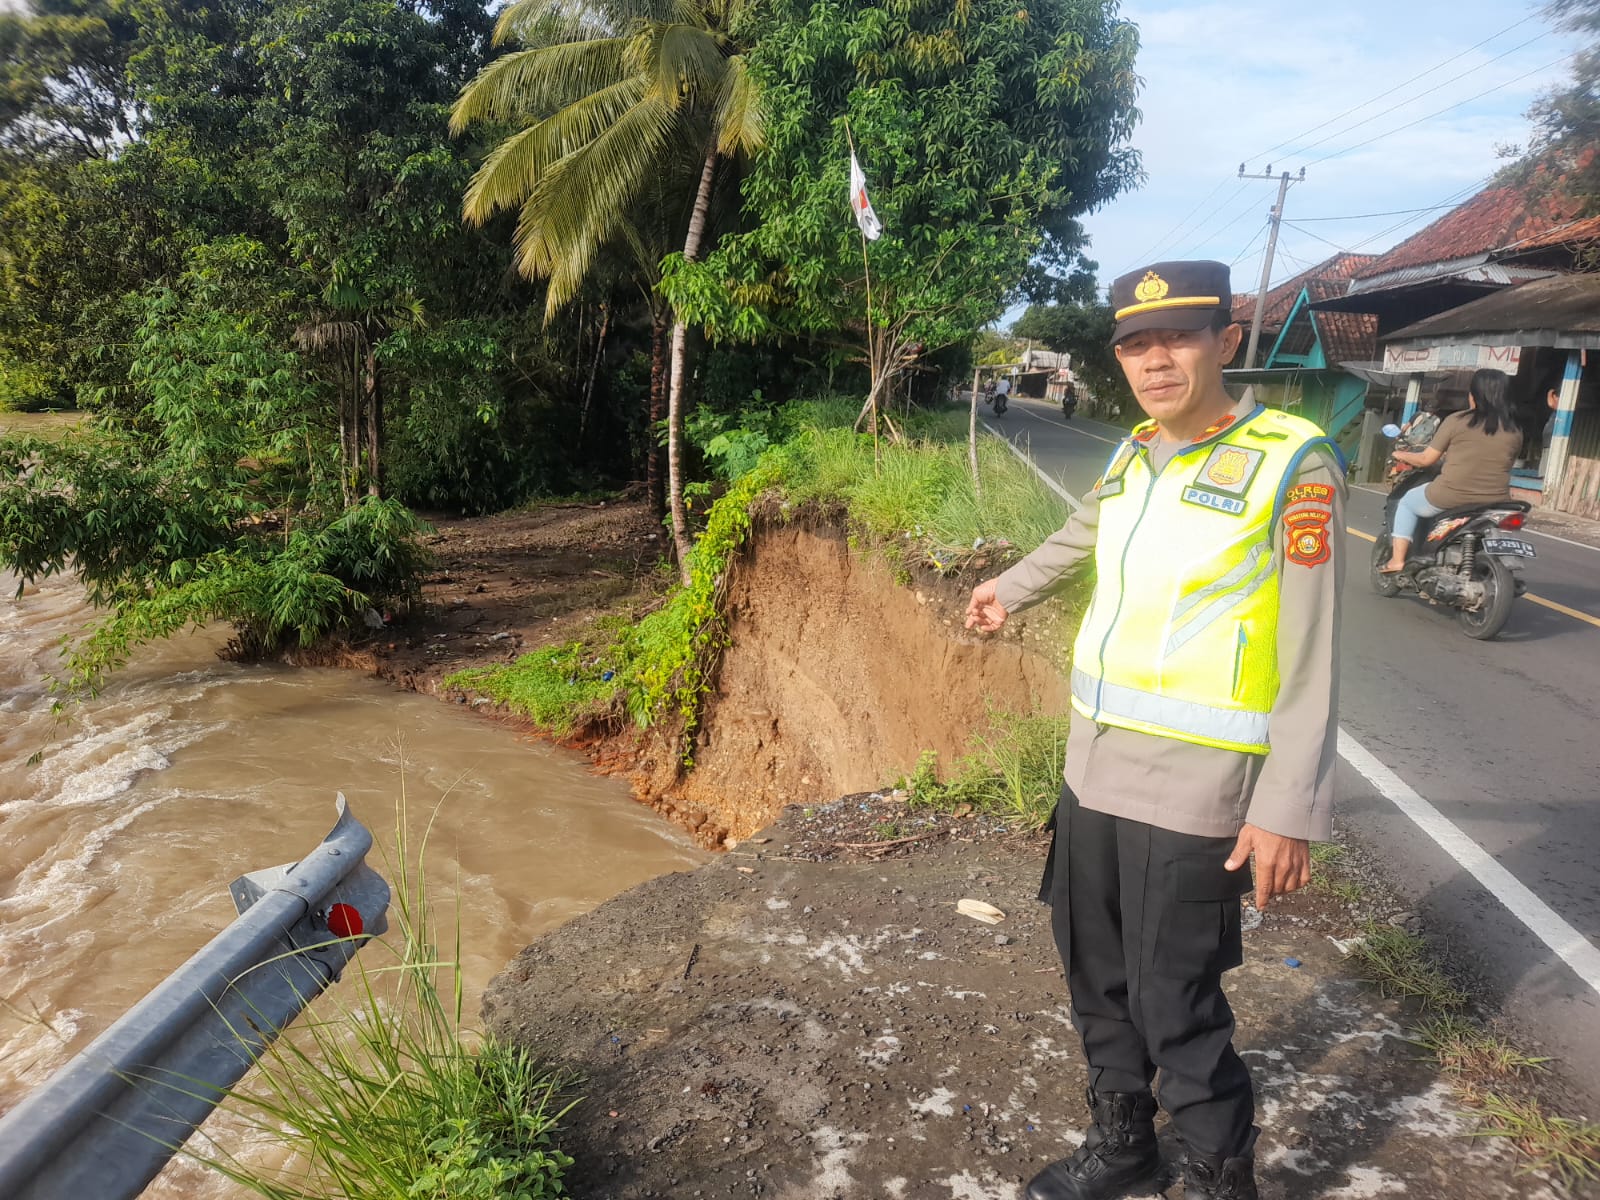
column 1203, row 731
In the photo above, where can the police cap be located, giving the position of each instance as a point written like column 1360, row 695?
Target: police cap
column 1170, row 295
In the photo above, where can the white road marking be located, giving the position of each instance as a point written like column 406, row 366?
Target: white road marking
column 1573, row 948
column 1540, row 919
column 1065, row 425
column 1072, row 501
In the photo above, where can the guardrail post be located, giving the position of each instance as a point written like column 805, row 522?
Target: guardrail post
column 103, row 1126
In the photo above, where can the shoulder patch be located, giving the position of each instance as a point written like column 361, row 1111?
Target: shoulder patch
column 1309, row 493
column 1305, row 534
column 1215, row 428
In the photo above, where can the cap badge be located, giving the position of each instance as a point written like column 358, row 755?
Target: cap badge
column 1151, row 288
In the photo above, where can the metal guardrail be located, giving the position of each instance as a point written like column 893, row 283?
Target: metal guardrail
column 104, row 1125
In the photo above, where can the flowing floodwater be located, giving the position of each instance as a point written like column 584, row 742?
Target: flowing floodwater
column 117, row 847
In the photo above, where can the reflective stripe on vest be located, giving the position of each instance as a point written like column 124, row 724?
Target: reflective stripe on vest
column 1180, row 639
column 1152, row 712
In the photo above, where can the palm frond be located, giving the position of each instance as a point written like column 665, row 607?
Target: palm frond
column 584, row 198
column 688, row 64
column 536, row 82
column 741, row 116
column 516, row 167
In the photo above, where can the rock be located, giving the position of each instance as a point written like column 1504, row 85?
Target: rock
column 1001, row 939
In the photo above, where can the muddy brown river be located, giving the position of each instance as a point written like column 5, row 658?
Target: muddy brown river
column 116, row 849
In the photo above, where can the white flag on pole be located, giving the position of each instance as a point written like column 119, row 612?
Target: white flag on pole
column 871, row 227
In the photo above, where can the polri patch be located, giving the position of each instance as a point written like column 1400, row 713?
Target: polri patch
column 1213, row 500
column 1109, row 488
column 1230, row 469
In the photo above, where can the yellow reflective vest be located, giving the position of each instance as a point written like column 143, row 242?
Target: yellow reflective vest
column 1180, row 639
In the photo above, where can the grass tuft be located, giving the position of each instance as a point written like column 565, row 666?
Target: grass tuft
column 387, row 1096
column 1559, row 1145
column 1399, row 965
column 1012, row 770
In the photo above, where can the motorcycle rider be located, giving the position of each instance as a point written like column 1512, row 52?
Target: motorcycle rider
column 1482, row 443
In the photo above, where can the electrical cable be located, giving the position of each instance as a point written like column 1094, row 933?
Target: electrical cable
column 1397, row 87
column 1448, row 108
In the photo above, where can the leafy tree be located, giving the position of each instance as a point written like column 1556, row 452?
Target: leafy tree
column 984, row 129
column 64, row 87
column 607, row 94
column 220, row 499
column 1568, row 119
column 1084, row 331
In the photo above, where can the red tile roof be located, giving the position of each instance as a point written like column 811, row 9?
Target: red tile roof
column 1584, row 230
column 1326, row 279
column 1496, row 218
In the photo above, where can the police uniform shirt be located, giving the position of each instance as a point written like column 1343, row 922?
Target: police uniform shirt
column 1202, row 790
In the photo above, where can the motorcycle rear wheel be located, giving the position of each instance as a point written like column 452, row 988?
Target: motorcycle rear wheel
column 1383, row 584
column 1500, row 592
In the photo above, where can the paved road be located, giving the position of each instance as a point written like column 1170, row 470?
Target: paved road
column 1501, row 738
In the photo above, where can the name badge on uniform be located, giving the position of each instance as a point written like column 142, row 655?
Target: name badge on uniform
column 1224, row 478
column 1112, row 482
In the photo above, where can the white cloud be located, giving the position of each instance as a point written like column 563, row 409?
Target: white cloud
column 1223, row 83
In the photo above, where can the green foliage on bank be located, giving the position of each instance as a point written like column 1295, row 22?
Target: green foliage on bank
column 1012, row 769
column 912, row 501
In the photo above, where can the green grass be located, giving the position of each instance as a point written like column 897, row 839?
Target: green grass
column 1398, row 964
column 387, row 1096
column 555, row 686
column 1012, row 770
column 1488, row 1073
column 1560, row 1145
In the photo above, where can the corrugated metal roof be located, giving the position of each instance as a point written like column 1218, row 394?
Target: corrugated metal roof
column 1476, row 269
column 1561, row 311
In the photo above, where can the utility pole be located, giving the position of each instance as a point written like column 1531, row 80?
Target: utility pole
column 1276, row 219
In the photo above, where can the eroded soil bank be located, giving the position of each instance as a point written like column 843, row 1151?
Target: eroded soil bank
column 838, row 678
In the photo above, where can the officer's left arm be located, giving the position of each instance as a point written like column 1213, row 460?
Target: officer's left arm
column 1293, row 797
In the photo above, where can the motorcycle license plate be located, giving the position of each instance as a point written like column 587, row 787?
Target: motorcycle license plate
column 1509, row 546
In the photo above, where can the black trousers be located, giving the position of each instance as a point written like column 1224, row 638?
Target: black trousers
column 1147, row 921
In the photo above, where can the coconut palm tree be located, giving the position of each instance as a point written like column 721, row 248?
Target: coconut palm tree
column 605, row 95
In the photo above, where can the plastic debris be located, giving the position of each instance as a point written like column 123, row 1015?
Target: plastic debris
column 607, row 676
column 1292, row 962
column 1348, row 945
column 979, row 911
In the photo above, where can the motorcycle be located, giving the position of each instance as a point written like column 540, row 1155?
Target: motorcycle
column 1069, row 405
column 1461, row 558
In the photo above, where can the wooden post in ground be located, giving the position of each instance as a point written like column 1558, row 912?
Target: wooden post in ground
column 972, row 435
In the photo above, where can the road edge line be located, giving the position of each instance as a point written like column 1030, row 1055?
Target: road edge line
column 1072, row 501
column 1518, row 899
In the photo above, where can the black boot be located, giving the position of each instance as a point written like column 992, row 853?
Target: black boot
column 1118, row 1156
column 1218, row 1178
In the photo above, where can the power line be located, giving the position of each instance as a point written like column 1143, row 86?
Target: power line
column 1398, row 212
column 1441, row 112
column 1169, row 242
column 1391, row 91
column 1413, row 99
column 1254, row 242
column 1148, row 255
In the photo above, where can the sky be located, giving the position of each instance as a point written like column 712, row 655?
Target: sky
column 1264, row 82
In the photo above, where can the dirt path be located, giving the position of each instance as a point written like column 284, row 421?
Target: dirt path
column 505, row 584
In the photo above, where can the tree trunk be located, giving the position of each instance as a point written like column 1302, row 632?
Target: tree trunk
column 675, row 400
column 654, row 475
column 374, row 399
column 594, row 369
